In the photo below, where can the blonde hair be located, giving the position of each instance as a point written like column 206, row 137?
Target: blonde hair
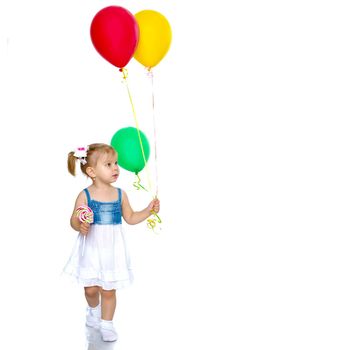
column 94, row 152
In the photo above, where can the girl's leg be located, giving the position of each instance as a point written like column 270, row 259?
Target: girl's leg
column 93, row 311
column 108, row 304
column 92, row 295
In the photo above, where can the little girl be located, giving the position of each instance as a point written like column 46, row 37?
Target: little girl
column 100, row 259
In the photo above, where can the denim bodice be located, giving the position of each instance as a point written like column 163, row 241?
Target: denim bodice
column 106, row 213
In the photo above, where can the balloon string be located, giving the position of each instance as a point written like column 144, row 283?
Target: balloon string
column 150, row 74
column 125, row 75
column 152, row 221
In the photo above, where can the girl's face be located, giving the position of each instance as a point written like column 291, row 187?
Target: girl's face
column 107, row 169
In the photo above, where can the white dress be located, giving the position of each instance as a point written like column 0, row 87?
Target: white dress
column 101, row 257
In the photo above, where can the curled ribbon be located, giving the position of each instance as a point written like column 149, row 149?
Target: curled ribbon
column 137, row 183
column 152, row 222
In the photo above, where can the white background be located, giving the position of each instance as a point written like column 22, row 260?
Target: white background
column 252, row 106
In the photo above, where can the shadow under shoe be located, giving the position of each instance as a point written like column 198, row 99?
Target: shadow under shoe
column 95, row 342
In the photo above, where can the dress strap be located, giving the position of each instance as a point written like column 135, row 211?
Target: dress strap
column 120, row 196
column 87, row 196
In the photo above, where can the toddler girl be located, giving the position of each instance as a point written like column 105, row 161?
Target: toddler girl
column 100, row 259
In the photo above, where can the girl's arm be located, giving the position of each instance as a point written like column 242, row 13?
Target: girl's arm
column 81, row 227
column 135, row 217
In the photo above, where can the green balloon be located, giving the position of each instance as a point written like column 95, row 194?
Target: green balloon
column 127, row 144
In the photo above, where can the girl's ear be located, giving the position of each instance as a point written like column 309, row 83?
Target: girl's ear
column 90, row 171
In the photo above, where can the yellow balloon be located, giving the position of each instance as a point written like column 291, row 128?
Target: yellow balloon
column 155, row 37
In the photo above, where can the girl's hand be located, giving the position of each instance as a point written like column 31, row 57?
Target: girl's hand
column 84, row 228
column 154, row 205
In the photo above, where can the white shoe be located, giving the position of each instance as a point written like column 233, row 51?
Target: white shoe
column 107, row 331
column 93, row 316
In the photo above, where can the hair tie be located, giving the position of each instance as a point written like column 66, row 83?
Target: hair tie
column 81, row 153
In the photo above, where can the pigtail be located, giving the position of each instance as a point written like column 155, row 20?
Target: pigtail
column 87, row 156
column 71, row 163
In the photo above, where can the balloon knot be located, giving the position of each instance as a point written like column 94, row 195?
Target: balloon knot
column 124, row 72
column 149, row 72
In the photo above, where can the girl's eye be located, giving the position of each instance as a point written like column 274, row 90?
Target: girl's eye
column 108, row 164
column 116, row 163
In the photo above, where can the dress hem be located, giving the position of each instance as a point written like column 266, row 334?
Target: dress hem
column 105, row 285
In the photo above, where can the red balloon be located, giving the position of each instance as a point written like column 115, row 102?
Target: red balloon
column 115, row 34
